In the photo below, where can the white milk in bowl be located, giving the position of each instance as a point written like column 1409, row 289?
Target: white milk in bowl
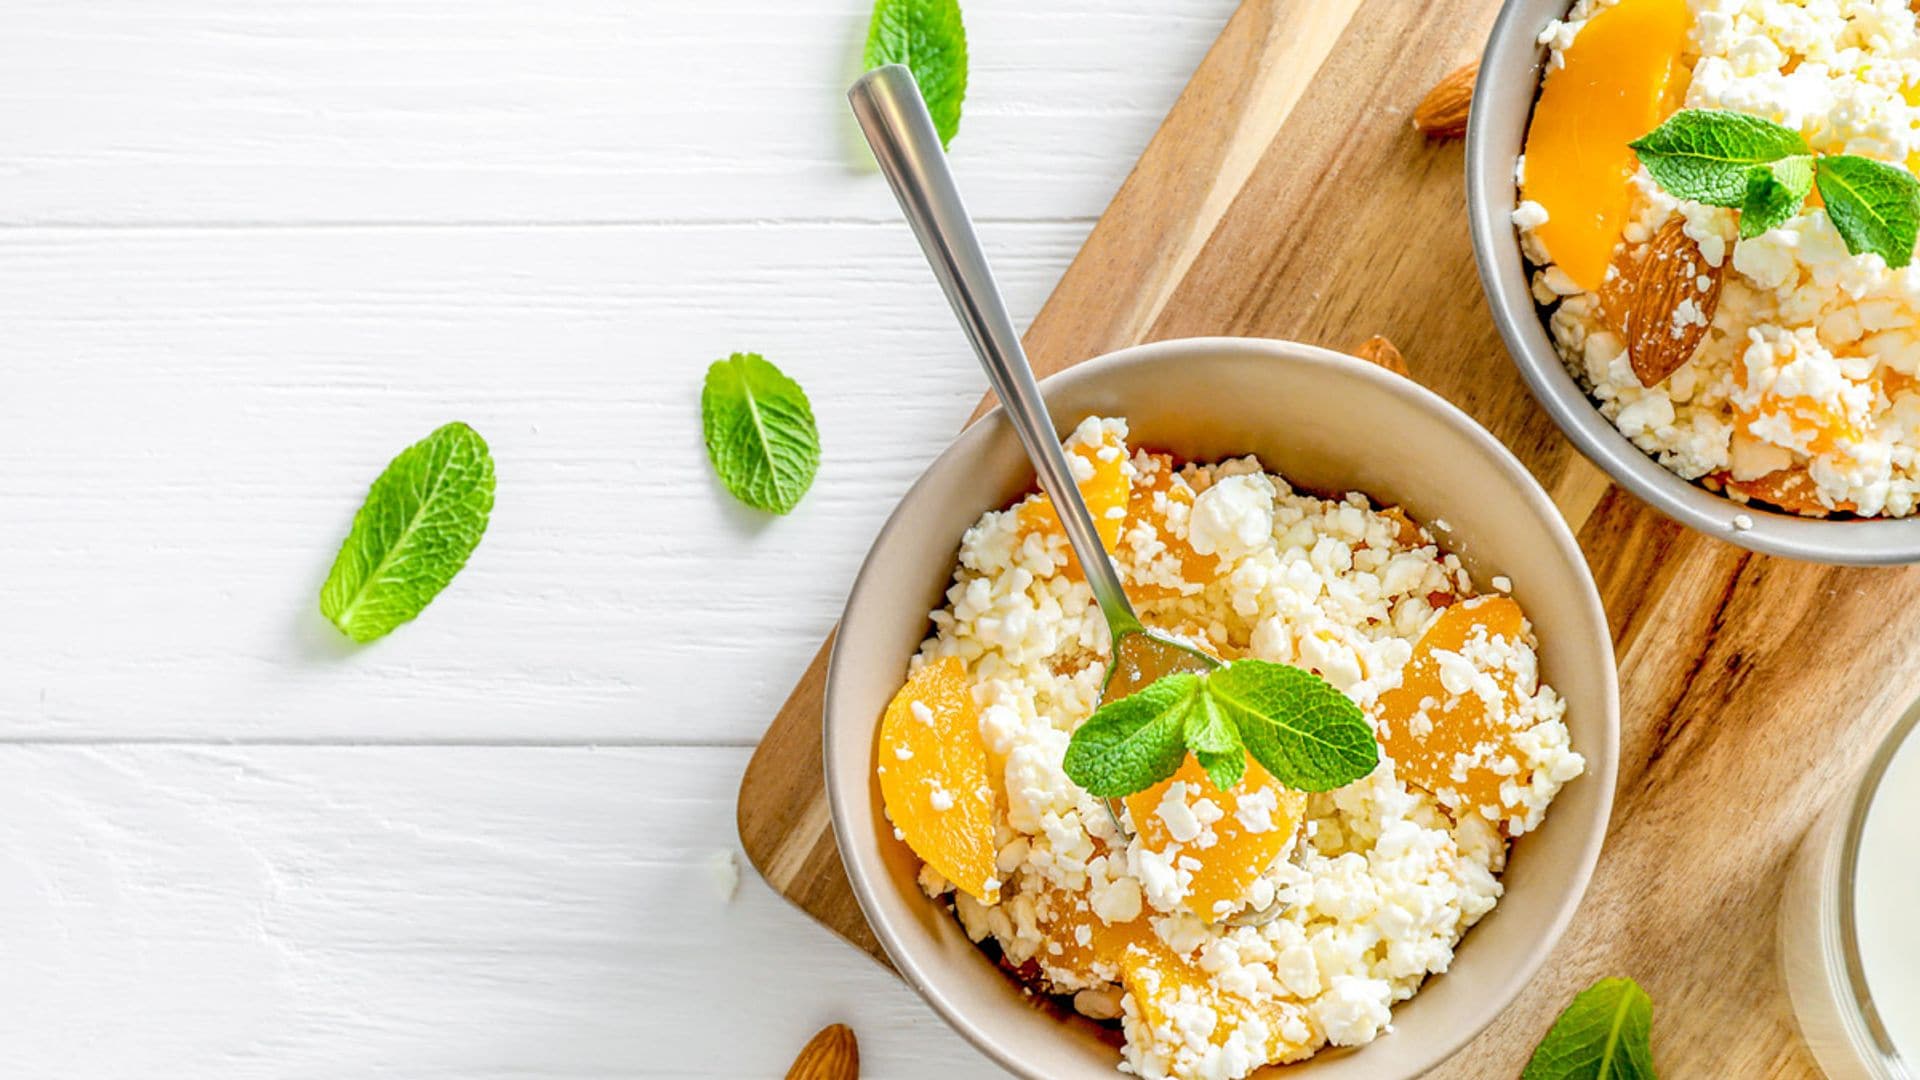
column 1850, row 921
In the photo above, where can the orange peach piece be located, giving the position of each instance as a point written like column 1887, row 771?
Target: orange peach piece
column 1792, row 490
column 1827, row 428
column 1446, row 743
column 1145, row 506
column 933, row 777
column 1079, row 948
column 1105, row 493
column 1163, row 983
column 1622, row 78
column 1239, row 854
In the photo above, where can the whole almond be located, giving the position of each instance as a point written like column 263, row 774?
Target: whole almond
column 1442, row 114
column 1669, row 302
column 832, row 1054
column 1378, row 350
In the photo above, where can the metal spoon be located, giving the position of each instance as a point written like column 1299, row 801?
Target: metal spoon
column 894, row 118
column 895, row 121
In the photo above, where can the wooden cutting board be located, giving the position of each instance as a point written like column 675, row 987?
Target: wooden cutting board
column 1286, row 196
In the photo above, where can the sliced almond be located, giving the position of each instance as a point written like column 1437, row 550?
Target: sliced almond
column 832, row 1054
column 1378, row 350
column 1442, row 114
column 1669, row 300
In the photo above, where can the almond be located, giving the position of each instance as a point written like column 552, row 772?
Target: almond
column 1669, row 297
column 1442, row 114
column 832, row 1054
column 1378, row 350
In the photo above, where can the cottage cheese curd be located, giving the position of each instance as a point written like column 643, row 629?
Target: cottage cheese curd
column 1374, row 883
column 1806, row 381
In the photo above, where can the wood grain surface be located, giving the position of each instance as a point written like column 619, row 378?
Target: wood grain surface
column 1286, row 196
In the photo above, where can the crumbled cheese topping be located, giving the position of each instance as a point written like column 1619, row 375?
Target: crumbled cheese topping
column 1810, row 358
column 1379, row 883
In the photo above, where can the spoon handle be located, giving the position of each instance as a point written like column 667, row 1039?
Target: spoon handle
column 894, row 118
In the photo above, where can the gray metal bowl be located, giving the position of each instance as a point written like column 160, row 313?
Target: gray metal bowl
column 1502, row 104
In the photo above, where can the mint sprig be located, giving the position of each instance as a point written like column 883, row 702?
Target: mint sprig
column 1775, row 192
column 1707, row 154
column 420, row 521
column 760, row 432
column 1603, row 1032
column 1875, row 206
column 930, row 39
column 1308, row 734
column 1765, row 170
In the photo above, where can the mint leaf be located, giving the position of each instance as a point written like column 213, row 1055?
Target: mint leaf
column 760, row 432
column 1775, row 192
column 1134, row 743
column 1601, row 1035
column 928, row 37
column 422, row 518
column 1225, row 769
column 1706, row 154
column 1207, row 730
column 1875, row 206
column 1308, row 734
column 1215, row 743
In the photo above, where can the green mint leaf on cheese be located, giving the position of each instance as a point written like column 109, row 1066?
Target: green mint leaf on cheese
column 1706, row 155
column 1134, row 743
column 1875, row 206
column 421, row 520
column 929, row 38
column 1775, row 192
column 760, row 432
column 1215, row 743
column 1308, row 734
column 1224, row 769
column 1602, row 1033
column 1207, row 730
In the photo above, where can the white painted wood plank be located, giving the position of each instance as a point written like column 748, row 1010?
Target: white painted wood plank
column 428, row 913
column 191, row 418
column 548, row 110
column 188, row 416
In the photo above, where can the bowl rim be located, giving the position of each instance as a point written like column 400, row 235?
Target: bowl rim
column 1514, row 56
column 1602, row 760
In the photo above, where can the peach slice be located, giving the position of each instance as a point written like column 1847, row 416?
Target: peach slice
column 1451, row 744
column 1825, row 428
column 1166, row 988
column 1145, row 505
column 1256, row 822
column 1079, row 948
column 1105, row 493
column 1893, row 382
column 1622, row 77
column 934, row 777
column 1792, row 490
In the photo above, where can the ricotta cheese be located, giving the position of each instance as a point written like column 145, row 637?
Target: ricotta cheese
column 1379, row 882
column 1809, row 362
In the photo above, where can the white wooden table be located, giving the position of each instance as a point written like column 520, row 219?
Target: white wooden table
column 249, row 249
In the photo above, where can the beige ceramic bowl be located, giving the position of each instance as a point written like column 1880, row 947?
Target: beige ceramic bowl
column 1331, row 424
